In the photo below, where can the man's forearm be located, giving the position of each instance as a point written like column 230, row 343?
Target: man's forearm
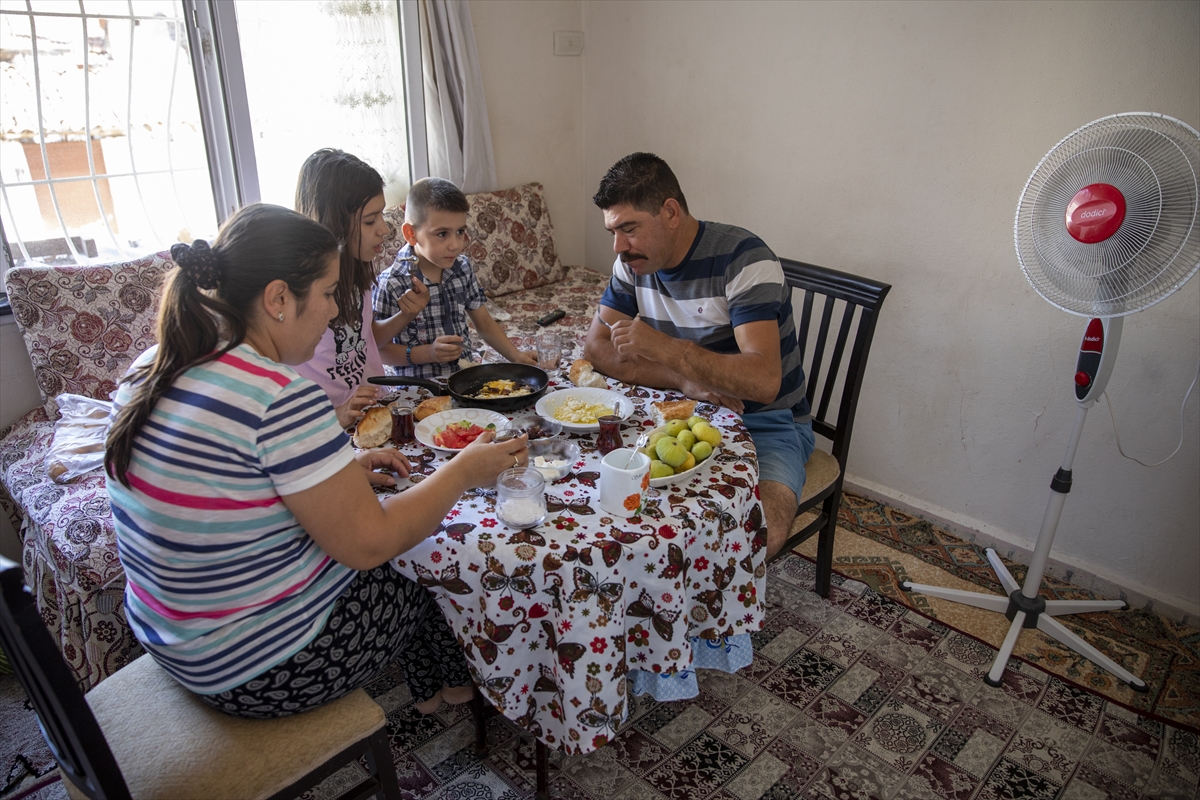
column 736, row 375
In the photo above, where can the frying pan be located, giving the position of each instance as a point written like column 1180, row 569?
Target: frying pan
column 466, row 383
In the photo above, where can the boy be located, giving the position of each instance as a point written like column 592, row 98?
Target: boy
column 435, row 227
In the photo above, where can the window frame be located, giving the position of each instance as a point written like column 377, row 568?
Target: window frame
column 225, row 113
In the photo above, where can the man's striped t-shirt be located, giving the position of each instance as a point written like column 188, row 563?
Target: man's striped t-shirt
column 223, row 583
column 728, row 278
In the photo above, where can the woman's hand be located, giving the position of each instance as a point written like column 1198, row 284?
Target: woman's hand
column 483, row 459
column 386, row 459
column 351, row 411
column 446, row 349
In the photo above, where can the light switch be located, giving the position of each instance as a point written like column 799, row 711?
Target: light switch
column 568, row 43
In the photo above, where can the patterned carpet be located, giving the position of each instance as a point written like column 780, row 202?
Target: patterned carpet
column 1163, row 653
column 856, row 696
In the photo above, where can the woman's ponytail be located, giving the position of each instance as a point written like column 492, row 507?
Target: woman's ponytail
column 207, row 304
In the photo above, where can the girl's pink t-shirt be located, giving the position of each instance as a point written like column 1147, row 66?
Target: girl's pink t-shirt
column 345, row 358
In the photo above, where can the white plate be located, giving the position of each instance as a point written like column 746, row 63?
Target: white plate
column 658, row 483
column 427, row 428
column 549, row 403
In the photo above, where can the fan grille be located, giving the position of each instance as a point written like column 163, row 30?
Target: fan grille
column 1154, row 161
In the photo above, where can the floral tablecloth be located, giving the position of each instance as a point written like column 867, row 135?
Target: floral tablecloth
column 553, row 619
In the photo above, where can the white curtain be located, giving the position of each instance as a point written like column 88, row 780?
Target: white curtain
column 456, row 121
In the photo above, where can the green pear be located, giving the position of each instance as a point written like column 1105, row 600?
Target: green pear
column 674, row 426
column 670, row 452
column 692, row 420
column 686, row 438
column 660, row 470
column 654, row 437
column 701, row 450
column 707, row 433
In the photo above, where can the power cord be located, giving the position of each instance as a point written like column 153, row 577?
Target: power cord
column 1109, row 403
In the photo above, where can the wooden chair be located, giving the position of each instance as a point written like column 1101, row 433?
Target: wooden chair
column 139, row 734
column 833, row 390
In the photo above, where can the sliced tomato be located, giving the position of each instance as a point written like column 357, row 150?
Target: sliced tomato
column 458, row 435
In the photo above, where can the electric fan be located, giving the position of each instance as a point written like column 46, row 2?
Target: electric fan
column 1106, row 226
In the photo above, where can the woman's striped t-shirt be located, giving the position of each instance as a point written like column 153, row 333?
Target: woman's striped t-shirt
column 223, row 583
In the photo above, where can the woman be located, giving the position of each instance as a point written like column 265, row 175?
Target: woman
column 255, row 551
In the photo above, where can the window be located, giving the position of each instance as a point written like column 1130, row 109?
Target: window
column 115, row 142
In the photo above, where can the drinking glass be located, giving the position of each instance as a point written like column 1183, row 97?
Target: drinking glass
column 521, row 498
column 549, row 352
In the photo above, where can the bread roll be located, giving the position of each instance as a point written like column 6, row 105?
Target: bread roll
column 582, row 373
column 664, row 410
column 432, row 406
column 374, row 429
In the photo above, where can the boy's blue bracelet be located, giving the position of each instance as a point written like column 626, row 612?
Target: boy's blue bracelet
column 408, row 355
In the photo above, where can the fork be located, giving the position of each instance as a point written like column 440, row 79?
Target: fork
column 638, row 445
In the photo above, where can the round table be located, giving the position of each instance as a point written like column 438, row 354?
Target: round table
column 556, row 618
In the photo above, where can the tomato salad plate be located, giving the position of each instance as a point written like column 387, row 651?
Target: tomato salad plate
column 452, row 430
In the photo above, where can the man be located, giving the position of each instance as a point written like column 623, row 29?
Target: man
column 703, row 308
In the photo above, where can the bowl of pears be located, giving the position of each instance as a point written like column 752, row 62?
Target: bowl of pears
column 680, row 447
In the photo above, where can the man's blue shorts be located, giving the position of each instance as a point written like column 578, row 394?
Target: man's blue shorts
column 783, row 446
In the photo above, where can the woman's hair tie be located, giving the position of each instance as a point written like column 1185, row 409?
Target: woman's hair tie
column 198, row 262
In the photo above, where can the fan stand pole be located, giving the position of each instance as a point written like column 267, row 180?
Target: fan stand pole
column 1023, row 607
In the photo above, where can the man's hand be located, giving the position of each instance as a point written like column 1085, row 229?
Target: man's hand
column 447, row 349
column 385, row 459
column 633, row 338
column 698, row 391
column 415, row 299
column 351, row 411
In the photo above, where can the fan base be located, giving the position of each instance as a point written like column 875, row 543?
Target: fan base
column 1032, row 612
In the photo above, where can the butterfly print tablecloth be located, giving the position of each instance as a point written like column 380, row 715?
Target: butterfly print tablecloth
column 554, row 618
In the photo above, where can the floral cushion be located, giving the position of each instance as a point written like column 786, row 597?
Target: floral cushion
column 511, row 240
column 84, row 325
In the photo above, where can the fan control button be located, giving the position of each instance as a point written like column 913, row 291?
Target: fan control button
column 1082, row 378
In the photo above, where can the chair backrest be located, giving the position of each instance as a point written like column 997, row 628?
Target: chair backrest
column 66, row 720
column 833, row 387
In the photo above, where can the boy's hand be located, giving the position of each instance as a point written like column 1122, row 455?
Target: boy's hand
column 527, row 357
column 446, row 349
column 415, row 299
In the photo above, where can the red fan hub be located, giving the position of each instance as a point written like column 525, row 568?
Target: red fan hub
column 1095, row 213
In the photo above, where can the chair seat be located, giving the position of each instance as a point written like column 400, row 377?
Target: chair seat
column 169, row 744
column 820, row 472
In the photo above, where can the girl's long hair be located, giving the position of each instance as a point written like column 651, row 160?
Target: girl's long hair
column 257, row 245
column 333, row 188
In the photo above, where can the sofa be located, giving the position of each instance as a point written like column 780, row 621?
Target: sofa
column 84, row 325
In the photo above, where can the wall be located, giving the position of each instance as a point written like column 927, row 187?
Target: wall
column 535, row 106
column 893, row 140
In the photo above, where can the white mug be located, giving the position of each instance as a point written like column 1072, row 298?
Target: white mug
column 623, row 489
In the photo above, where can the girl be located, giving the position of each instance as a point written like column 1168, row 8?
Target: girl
column 345, row 195
column 254, row 549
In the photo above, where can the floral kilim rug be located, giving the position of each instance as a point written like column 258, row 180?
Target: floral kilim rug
column 855, row 696
column 882, row 547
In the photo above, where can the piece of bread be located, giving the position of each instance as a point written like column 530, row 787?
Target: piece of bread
column 664, row 410
column 582, row 373
column 432, row 406
column 374, row 429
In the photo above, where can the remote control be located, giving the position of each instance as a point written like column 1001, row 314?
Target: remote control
column 553, row 316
